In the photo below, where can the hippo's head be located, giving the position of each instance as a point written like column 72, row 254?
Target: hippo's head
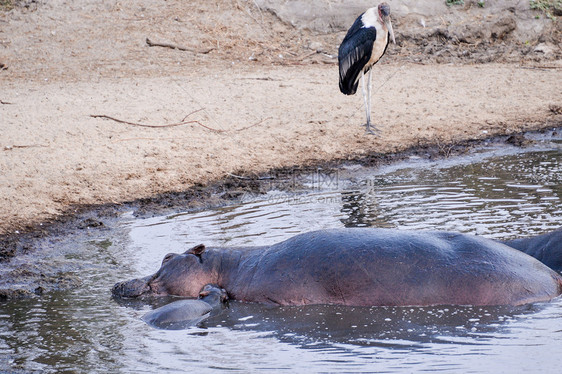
column 180, row 275
column 213, row 294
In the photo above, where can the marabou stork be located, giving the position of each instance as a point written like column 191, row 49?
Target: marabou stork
column 362, row 47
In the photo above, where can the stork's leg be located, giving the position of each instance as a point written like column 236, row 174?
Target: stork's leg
column 367, row 101
column 371, row 129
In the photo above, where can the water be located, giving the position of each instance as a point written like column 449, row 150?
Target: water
column 499, row 194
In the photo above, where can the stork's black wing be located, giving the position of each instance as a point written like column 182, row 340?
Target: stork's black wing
column 354, row 53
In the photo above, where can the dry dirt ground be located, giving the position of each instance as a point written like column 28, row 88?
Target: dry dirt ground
column 256, row 88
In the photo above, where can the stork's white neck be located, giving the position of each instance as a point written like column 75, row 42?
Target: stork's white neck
column 371, row 19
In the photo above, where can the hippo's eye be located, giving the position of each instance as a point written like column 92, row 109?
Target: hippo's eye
column 167, row 257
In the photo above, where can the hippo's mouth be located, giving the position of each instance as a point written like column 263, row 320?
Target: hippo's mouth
column 133, row 288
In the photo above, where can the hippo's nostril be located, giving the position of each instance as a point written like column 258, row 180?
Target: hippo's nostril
column 132, row 288
column 118, row 289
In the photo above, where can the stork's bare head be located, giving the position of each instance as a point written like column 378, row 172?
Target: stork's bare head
column 384, row 15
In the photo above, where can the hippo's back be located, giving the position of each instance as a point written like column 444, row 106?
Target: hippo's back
column 390, row 267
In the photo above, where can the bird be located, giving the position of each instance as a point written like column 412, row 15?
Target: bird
column 364, row 44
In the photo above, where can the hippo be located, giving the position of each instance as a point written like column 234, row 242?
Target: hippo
column 547, row 248
column 358, row 267
column 184, row 313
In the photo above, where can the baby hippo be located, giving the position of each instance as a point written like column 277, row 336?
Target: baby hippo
column 184, row 313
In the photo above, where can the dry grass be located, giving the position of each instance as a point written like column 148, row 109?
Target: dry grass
column 6, row 5
column 551, row 8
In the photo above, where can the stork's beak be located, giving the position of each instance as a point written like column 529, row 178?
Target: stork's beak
column 388, row 24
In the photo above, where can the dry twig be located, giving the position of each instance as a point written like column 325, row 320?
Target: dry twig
column 248, row 178
column 182, row 122
column 546, row 68
column 255, row 124
column 10, row 147
column 178, row 47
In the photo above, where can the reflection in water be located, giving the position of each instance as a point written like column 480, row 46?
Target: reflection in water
column 497, row 198
column 85, row 330
column 368, row 326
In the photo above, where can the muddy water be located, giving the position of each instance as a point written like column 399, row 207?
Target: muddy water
column 497, row 193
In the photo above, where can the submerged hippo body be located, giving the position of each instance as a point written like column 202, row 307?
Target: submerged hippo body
column 184, row 313
column 370, row 267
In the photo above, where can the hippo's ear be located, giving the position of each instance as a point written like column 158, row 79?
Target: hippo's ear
column 204, row 292
column 197, row 250
column 224, row 295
